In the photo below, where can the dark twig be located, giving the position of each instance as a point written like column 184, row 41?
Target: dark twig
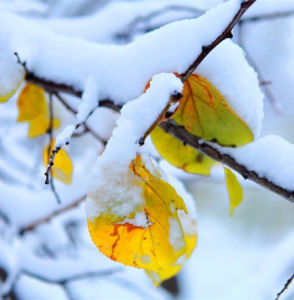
column 87, row 128
column 4, row 218
column 82, row 276
column 227, row 33
column 49, row 217
column 189, row 139
column 50, row 146
column 287, row 284
column 58, row 148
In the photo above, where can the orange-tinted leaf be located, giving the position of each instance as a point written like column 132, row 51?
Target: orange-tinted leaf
column 62, row 168
column 31, row 103
column 155, row 247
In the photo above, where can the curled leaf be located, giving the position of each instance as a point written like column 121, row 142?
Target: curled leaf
column 62, row 168
column 235, row 190
column 159, row 244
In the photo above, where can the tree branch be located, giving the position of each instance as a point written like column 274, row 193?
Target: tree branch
column 287, row 284
column 73, row 111
column 189, row 139
column 178, row 131
column 49, row 217
column 76, row 277
column 50, row 146
column 227, row 33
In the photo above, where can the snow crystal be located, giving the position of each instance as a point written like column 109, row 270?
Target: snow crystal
column 112, row 189
column 270, row 156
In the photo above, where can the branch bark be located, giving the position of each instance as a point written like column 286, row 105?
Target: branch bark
column 189, row 139
column 287, row 284
column 49, row 217
column 178, row 131
column 227, row 33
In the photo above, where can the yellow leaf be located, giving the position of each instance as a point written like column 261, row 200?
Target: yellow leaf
column 4, row 98
column 31, row 103
column 235, row 190
column 156, row 247
column 10, row 93
column 204, row 112
column 180, row 155
column 62, row 168
column 39, row 125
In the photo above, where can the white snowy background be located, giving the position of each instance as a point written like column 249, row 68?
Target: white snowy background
column 248, row 256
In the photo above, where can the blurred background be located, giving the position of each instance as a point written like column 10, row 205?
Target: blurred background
column 45, row 249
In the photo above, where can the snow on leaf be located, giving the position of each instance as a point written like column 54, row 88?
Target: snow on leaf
column 204, row 112
column 161, row 245
column 235, row 190
column 63, row 166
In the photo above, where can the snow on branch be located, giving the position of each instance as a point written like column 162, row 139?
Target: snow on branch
column 267, row 161
column 121, row 71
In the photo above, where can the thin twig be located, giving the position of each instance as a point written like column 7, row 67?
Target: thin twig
column 262, row 81
column 132, row 27
column 58, row 148
column 52, row 215
column 50, row 146
column 4, row 218
column 77, row 277
column 268, row 17
column 197, row 143
column 227, row 33
column 287, row 284
column 87, row 128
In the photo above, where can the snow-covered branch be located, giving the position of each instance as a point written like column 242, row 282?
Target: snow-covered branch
column 263, row 162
